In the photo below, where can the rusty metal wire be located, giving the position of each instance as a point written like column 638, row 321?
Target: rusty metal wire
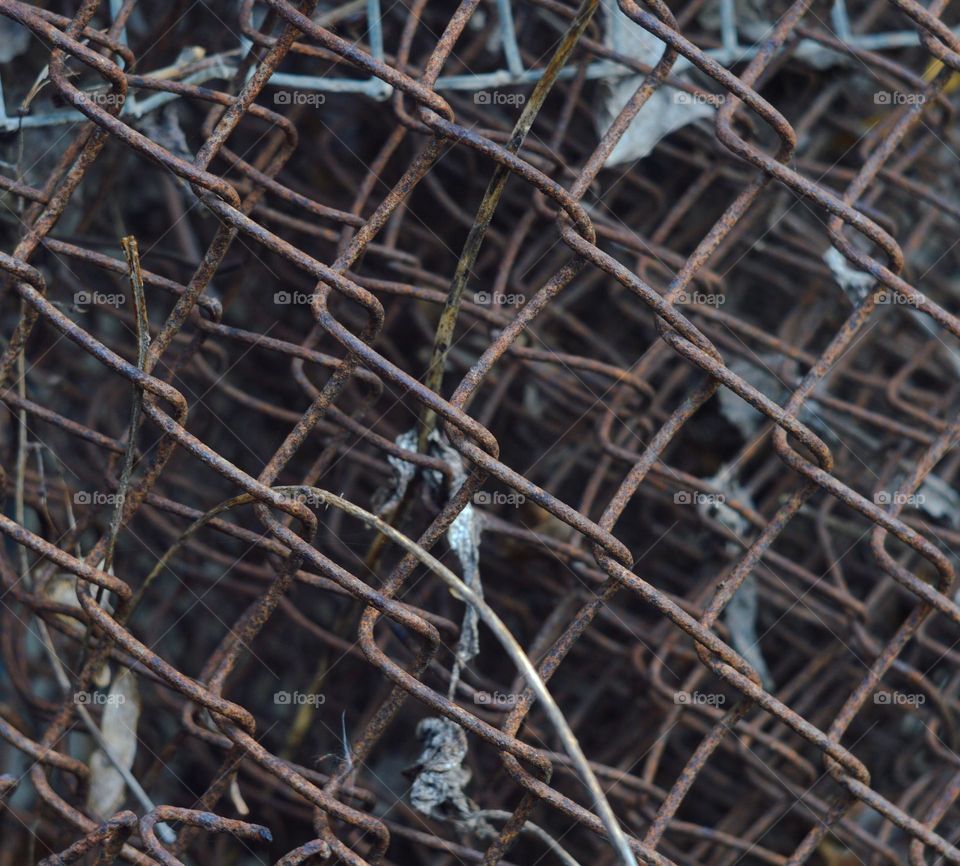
column 701, row 409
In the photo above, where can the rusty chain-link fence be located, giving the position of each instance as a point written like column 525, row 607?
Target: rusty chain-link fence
column 502, row 434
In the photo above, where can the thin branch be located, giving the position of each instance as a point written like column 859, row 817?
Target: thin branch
column 132, row 255
column 491, row 198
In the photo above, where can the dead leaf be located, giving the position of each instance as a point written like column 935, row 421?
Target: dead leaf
column 665, row 111
column 121, row 715
column 437, row 790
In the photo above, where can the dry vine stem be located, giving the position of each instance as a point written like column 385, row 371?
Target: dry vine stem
column 665, row 295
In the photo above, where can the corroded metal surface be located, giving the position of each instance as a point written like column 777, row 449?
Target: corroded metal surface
column 711, row 462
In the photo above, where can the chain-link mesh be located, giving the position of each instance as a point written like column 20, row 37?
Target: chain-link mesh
column 681, row 423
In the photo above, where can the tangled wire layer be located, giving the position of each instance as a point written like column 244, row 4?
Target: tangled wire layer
column 691, row 419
